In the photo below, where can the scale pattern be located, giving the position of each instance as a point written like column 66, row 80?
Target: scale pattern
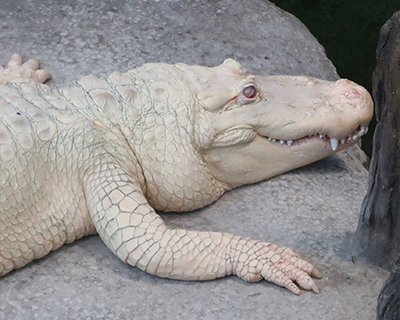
column 103, row 154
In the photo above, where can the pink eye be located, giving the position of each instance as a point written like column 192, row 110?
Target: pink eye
column 250, row 92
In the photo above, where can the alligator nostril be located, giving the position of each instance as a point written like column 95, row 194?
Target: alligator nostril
column 351, row 93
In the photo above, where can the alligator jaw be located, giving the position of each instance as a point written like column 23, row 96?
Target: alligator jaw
column 334, row 142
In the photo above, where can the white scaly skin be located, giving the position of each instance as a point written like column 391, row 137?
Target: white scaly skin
column 103, row 154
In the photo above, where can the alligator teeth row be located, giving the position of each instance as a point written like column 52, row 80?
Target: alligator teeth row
column 334, row 142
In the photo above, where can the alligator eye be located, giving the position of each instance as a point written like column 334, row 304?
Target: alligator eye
column 250, row 92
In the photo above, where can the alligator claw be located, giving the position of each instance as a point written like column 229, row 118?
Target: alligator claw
column 16, row 69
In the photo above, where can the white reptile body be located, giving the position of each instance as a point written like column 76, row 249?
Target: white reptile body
column 103, row 154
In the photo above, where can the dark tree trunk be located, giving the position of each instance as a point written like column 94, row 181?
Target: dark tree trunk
column 389, row 298
column 378, row 232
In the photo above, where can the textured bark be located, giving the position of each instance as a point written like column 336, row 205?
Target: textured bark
column 378, row 231
column 389, row 299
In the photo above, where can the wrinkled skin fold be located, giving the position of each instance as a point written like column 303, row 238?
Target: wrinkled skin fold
column 101, row 155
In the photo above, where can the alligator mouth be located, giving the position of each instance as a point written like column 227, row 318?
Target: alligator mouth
column 334, row 142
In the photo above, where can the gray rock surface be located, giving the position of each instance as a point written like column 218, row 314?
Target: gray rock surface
column 313, row 209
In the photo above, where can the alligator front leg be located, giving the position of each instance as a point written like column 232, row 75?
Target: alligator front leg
column 16, row 69
column 139, row 237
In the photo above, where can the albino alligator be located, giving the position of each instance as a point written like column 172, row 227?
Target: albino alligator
column 103, row 154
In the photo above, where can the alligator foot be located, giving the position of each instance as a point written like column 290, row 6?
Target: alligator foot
column 16, row 69
column 280, row 265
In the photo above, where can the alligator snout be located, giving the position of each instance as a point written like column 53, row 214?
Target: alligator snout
column 350, row 90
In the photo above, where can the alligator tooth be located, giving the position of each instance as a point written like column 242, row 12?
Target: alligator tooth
column 273, row 140
column 282, row 142
column 334, row 144
column 342, row 141
column 363, row 131
column 289, row 142
column 321, row 136
column 355, row 137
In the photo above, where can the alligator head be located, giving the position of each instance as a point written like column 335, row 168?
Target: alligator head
column 250, row 128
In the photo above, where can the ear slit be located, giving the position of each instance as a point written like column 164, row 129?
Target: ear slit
column 227, row 106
